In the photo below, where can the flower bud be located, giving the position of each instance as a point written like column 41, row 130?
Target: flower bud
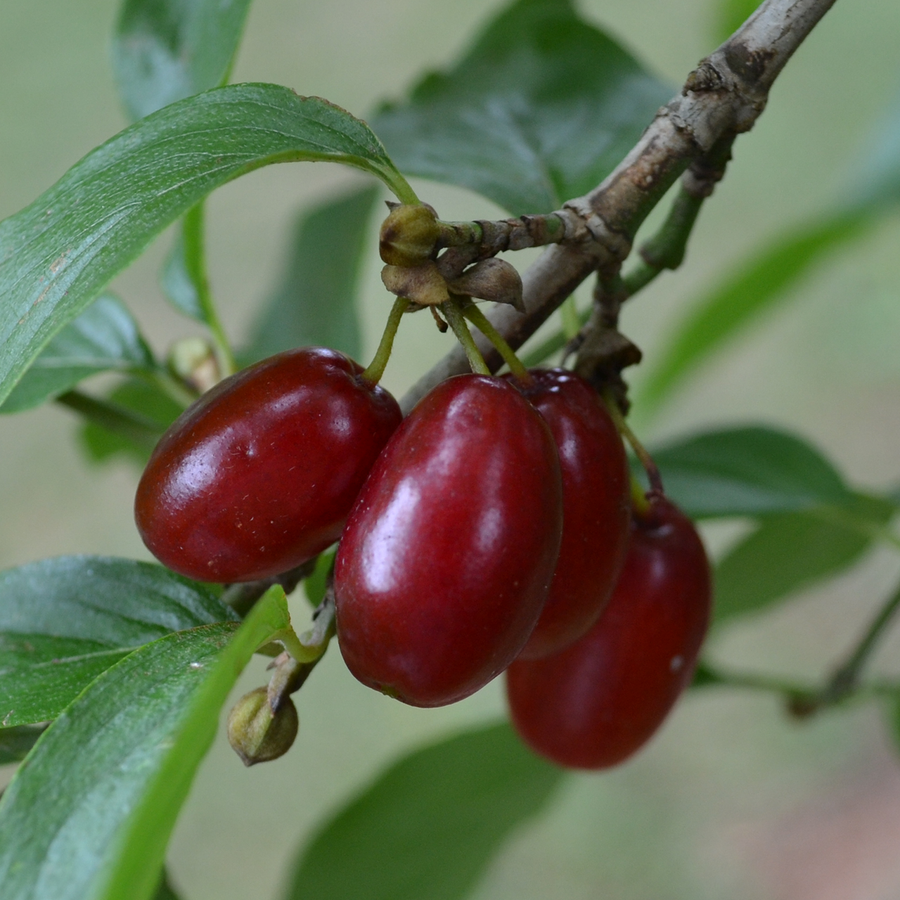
column 256, row 733
column 409, row 235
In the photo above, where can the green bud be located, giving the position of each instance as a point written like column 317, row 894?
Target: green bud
column 409, row 235
column 193, row 361
column 256, row 733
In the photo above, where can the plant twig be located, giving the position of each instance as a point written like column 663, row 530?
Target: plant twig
column 846, row 677
column 721, row 98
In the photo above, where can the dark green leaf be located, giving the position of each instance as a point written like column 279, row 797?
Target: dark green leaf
column 16, row 742
column 166, row 50
column 57, row 254
column 315, row 303
column 428, row 827
column 64, row 621
column 539, row 110
column 104, row 337
column 129, row 747
column 742, row 298
column 138, row 398
column 747, row 472
column 792, row 551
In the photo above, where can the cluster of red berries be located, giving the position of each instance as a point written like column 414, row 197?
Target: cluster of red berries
column 490, row 530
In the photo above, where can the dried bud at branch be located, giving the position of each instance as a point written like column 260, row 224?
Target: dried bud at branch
column 491, row 279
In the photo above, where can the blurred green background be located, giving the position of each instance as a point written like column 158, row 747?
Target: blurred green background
column 732, row 799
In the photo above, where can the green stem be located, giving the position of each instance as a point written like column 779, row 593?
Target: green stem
column 645, row 459
column 119, row 420
column 457, row 322
column 195, row 264
column 170, row 386
column 846, row 676
column 571, row 320
column 401, row 188
column 372, row 375
column 507, row 354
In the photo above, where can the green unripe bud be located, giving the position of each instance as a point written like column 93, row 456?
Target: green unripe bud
column 193, row 361
column 409, row 235
column 256, row 733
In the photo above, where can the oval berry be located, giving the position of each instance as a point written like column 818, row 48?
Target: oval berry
column 260, row 473
column 596, row 507
column 599, row 700
column 445, row 562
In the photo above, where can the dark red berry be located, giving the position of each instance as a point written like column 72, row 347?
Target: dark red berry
column 446, row 559
column 596, row 507
column 260, row 473
column 598, row 701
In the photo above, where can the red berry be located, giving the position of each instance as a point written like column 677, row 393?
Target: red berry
column 260, row 473
column 445, row 562
column 596, row 508
column 599, row 700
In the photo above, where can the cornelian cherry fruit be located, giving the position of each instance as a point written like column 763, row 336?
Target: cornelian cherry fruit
column 599, row 700
column 445, row 563
column 596, row 507
column 259, row 475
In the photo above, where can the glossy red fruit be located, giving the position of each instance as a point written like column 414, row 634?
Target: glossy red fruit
column 596, row 507
column 599, row 700
column 260, row 473
column 446, row 559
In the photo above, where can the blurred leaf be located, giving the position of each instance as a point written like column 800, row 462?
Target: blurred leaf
column 104, row 337
column 315, row 303
column 129, row 747
column 165, row 890
column 64, row 621
column 742, row 298
column 875, row 177
column 178, row 282
column 747, row 472
column 430, row 824
column 139, row 398
column 730, row 15
column 166, row 50
column 16, row 742
column 57, row 254
column 540, row 110
column 792, row 551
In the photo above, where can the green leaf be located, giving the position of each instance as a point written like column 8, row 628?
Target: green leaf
column 747, row 471
column 64, row 621
column 792, row 551
column 129, row 747
column 315, row 585
column 742, row 298
column 430, row 824
column 315, row 302
column 166, row 50
column 59, row 252
column 540, row 110
column 105, row 337
column 16, row 743
column 148, row 403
